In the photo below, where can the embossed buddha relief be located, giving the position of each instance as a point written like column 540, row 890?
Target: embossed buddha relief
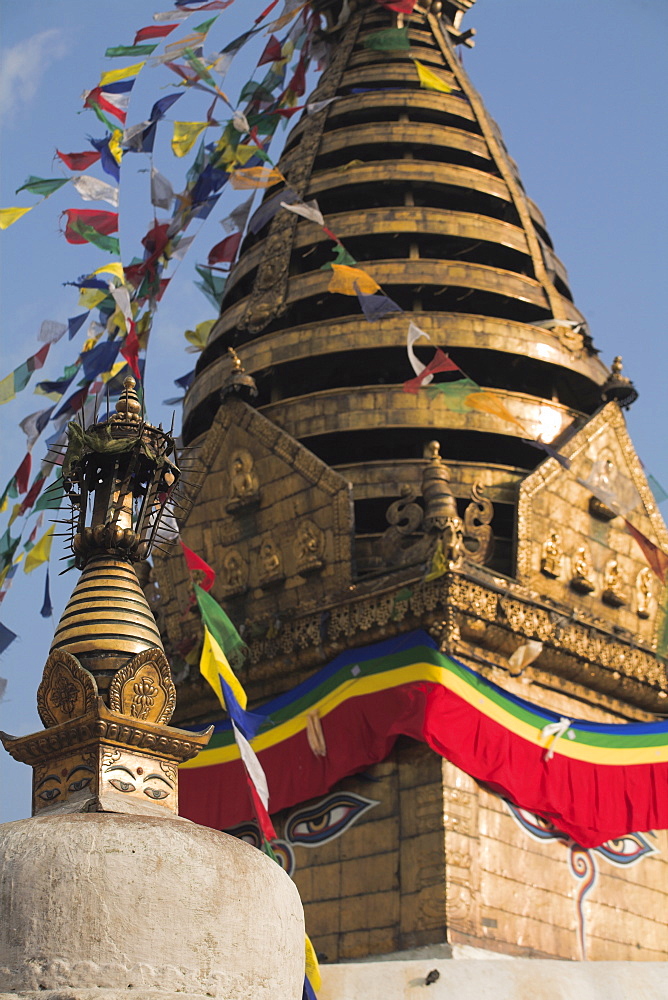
column 309, row 548
column 582, row 571
column 644, row 593
column 613, row 593
column 551, row 556
column 235, row 573
column 270, row 563
column 244, row 483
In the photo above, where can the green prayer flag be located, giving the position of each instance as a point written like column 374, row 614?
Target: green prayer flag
column 110, row 243
column 22, row 376
column 202, row 28
column 198, row 66
column 341, row 256
column 130, row 50
column 388, row 40
column 212, row 285
column 42, row 185
column 219, row 624
column 454, row 394
column 657, row 489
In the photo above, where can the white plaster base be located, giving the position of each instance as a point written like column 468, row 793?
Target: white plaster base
column 495, row 979
column 101, row 905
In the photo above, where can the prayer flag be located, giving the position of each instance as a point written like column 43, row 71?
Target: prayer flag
column 454, row 395
column 255, row 177
column 312, row 966
column 101, row 223
column 164, row 104
column 430, row 80
column 308, row 210
column 388, row 40
column 226, row 250
column 200, row 335
column 8, row 216
column 261, row 814
column 197, row 565
column 185, row 135
column 128, row 51
column 253, row 767
column 345, row 279
column 78, row 161
column 214, row 667
column 487, row 402
column 130, row 351
column 154, row 31
column 439, row 363
column 657, row 489
column 99, row 359
column 47, row 607
column 40, row 553
column 272, row 52
column 121, row 74
column 211, row 285
column 33, row 425
column 40, row 185
column 162, row 192
column 376, row 307
column 92, row 189
column 398, row 6
column 657, row 559
column 341, row 256
column 6, row 638
column 22, row 474
column 219, row 624
column 51, row 331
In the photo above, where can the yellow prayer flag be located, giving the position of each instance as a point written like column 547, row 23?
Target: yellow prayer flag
column 485, row 402
column 255, row 177
column 114, row 268
column 431, row 80
column 185, row 134
column 345, row 278
column 312, row 968
column 8, row 216
column 107, row 376
column 91, row 297
column 40, row 552
column 7, row 392
column 214, row 662
column 439, row 565
column 114, row 75
column 200, row 335
column 115, row 147
column 285, row 18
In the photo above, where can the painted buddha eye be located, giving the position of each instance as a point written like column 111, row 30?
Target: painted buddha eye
column 248, row 832
column 284, row 855
column 156, row 793
column 536, row 826
column 49, row 794
column 121, row 786
column 626, row 850
column 76, row 786
column 327, row 819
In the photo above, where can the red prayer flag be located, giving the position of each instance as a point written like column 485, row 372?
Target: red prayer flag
column 298, row 82
column 263, row 817
column 97, row 96
column 264, row 13
column 398, row 6
column 195, row 562
column 130, row 351
column 102, row 222
column 22, row 475
column 79, row 161
column 657, row 559
column 272, row 51
column 32, row 494
column 37, row 360
column 226, row 250
column 439, row 363
column 154, row 31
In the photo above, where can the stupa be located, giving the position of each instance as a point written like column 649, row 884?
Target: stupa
column 105, row 889
column 339, row 510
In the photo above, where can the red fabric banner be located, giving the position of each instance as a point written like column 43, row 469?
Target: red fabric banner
column 195, row 562
column 104, row 223
column 226, row 250
column 439, row 363
column 79, row 161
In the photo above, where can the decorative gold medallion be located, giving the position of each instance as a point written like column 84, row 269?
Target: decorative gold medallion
column 67, row 691
column 144, row 689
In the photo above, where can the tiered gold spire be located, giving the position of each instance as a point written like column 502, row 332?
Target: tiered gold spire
column 107, row 693
column 421, row 190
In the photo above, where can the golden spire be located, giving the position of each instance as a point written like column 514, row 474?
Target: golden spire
column 107, row 693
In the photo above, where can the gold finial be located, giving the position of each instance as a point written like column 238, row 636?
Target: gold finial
column 618, row 386
column 236, row 360
column 432, row 450
column 128, row 406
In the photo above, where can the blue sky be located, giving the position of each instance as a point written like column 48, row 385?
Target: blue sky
column 578, row 89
